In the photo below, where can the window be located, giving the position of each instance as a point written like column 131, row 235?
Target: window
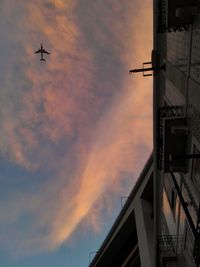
column 173, row 201
column 196, row 169
column 188, row 246
column 171, row 193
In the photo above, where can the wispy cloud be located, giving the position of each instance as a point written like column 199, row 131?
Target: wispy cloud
column 78, row 117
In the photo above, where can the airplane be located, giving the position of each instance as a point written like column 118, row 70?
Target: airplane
column 42, row 51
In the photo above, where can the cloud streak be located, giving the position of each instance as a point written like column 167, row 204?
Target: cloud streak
column 78, row 122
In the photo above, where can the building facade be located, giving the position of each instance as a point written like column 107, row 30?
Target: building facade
column 177, row 132
column 160, row 223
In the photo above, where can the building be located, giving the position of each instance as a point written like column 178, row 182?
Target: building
column 129, row 240
column 176, row 131
column 160, row 223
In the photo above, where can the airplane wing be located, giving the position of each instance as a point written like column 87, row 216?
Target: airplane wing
column 38, row 51
column 44, row 51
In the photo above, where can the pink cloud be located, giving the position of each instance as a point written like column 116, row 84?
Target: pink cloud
column 68, row 103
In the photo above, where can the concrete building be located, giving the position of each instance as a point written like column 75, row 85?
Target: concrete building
column 160, row 223
column 129, row 242
column 177, row 131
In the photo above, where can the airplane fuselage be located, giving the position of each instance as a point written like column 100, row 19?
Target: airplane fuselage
column 42, row 51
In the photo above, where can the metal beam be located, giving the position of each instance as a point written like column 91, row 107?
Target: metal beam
column 184, row 204
column 147, row 69
column 187, row 156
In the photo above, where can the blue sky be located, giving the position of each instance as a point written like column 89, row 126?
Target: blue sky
column 75, row 130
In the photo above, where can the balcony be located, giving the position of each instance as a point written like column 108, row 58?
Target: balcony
column 175, row 138
column 170, row 249
column 172, row 135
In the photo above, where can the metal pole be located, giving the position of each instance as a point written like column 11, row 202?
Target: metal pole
column 147, row 69
column 188, row 156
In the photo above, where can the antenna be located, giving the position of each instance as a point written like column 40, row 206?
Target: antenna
column 90, row 254
column 122, row 198
column 145, row 70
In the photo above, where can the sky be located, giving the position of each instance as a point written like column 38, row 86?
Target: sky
column 75, row 130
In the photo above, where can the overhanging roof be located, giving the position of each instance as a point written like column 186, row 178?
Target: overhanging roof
column 123, row 231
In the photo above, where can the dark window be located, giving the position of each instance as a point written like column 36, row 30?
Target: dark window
column 171, row 193
column 172, row 204
column 196, row 169
column 173, row 201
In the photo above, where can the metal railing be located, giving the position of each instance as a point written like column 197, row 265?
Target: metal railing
column 170, row 250
column 170, row 243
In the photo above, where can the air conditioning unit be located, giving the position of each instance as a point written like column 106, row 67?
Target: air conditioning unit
column 180, row 12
